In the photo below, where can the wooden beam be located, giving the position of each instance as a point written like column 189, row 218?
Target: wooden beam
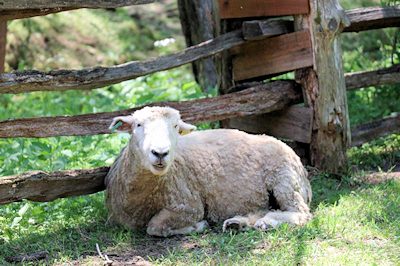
column 198, row 20
column 27, row 13
column 375, row 129
column 42, row 186
column 258, row 29
column 40, row 4
column 90, row 78
column 270, row 56
column 385, row 76
column 3, row 43
column 257, row 100
column 261, row 8
column 372, row 18
column 292, row 123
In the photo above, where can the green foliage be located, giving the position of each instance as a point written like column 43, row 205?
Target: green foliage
column 371, row 50
column 380, row 154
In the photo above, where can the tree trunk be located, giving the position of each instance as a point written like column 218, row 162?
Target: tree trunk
column 324, row 86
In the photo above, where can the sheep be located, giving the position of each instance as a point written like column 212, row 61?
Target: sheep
column 172, row 182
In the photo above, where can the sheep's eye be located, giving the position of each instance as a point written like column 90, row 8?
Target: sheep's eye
column 139, row 125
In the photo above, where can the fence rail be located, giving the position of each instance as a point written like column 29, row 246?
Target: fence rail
column 28, row 13
column 371, row 18
column 375, row 129
column 257, row 100
column 384, row 76
column 44, row 4
column 97, row 123
column 42, row 186
column 91, row 78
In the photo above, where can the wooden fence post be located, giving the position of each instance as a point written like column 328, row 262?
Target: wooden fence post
column 324, row 86
column 198, row 20
column 3, row 44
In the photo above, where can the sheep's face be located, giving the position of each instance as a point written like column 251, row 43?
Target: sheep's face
column 155, row 132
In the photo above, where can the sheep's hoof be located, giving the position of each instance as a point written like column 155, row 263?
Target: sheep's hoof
column 232, row 224
column 201, row 226
column 263, row 225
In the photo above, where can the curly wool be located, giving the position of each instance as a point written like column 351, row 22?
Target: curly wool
column 221, row 175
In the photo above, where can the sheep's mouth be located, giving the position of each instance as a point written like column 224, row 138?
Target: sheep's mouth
column 159, row 166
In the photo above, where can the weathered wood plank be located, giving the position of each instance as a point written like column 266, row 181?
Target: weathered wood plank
column 378, row 77
column 258, row 29
column 257, row 100
column 372, row 18
column 89, row 78
column 292, row 123
column 39, row 4
column 42, row 186
column 375, row 129
column 275, row 55
column 198, row 20
column 261, row 8
column 27, row 13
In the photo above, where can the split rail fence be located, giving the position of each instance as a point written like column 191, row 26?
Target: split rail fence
column 310, row 110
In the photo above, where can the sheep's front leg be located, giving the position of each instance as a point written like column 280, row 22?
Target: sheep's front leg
column 181, row 220
column 294, row 210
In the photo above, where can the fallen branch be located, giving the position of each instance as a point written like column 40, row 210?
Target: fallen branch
column 107, row 261
column 41, row 255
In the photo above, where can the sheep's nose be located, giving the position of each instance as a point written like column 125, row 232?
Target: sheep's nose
column 159, row 155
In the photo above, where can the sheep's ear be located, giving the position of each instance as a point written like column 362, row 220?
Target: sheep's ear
column 185, row 128
column 122, row 124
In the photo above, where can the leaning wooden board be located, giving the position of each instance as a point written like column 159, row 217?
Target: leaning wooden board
column 271, row 56
column 292, row 123
column 261, row 8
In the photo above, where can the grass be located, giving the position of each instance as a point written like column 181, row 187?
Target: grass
column 355, row 222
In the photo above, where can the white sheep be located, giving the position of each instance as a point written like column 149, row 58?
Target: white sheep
column 173, row 183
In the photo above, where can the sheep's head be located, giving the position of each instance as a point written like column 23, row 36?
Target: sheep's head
column 154, row 135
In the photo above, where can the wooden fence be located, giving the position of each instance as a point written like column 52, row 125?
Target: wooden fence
column 246, row 51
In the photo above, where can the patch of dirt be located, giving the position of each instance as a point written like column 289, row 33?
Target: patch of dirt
column 141, row 251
